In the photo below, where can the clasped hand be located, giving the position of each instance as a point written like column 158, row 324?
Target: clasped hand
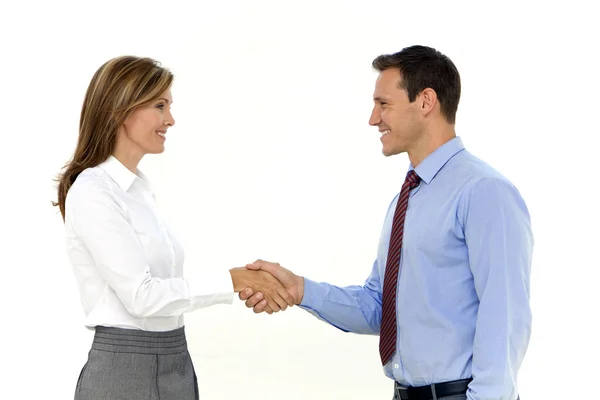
column 267, row 286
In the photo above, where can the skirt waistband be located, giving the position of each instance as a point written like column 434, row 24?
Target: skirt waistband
column 119, row 340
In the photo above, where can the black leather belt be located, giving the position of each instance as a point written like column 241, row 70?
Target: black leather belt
column 443, row 389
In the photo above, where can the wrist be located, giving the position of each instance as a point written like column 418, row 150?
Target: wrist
column 300, row 280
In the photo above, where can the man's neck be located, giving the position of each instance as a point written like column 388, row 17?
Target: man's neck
column 432, row 140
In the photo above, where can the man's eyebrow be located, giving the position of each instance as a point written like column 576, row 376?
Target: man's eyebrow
column 379, row 99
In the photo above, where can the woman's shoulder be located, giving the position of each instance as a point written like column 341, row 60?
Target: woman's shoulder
column 92, row 185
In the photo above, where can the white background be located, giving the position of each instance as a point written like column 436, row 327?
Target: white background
column 272, row 158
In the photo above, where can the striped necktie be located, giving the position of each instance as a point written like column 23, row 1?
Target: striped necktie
column 387, row 339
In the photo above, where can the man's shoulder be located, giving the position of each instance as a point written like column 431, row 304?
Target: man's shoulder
column 483, row 184
column 470, row 169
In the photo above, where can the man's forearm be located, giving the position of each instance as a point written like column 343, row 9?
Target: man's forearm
column 352, row 309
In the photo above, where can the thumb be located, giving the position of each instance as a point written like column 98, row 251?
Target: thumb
column 266, row 266
column 254, row 266
column 258, row 265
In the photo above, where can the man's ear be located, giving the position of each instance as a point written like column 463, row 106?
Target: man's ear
column 428, row 100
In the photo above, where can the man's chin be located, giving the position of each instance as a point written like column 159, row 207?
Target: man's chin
column 389, row 153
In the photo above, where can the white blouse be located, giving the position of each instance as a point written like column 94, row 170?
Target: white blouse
column 127, row 262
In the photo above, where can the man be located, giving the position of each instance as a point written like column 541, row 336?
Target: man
column 449, row 289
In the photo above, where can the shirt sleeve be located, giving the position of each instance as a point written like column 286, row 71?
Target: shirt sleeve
column 500, row 245
column 354, row 309
column 102, row 224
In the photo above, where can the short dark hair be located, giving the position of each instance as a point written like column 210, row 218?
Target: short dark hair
column 423, row 67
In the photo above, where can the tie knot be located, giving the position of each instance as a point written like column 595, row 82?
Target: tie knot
column 412, row 178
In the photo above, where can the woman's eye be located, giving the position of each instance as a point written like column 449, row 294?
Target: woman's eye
column 161, row 106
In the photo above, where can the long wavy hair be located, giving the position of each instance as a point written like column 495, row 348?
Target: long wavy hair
column 118, row 88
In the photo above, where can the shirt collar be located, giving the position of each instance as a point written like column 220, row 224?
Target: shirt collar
column 434, row 162
column 120, row 174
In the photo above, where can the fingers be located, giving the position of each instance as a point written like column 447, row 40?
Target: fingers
column 267, row 309
column 273, row 304
column 286, row 296
column 262, row 306
column 275, row 292
column 246, row 293
column 279, row 296
column 259, row 304
column 280, row 301
column 270, row 295
column 265, row 293
column 255, row 299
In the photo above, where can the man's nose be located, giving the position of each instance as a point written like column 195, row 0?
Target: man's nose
column 375, row 119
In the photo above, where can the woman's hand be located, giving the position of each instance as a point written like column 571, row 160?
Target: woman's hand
column 274, row 293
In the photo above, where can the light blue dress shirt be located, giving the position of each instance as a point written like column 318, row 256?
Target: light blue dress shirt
column 463, row 291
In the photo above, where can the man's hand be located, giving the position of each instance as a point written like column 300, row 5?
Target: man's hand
column 276, row 297
column 292, row 283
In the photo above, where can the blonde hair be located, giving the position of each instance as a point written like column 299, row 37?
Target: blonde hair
column 119, row 87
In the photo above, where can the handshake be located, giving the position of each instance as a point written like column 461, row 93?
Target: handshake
column 267, row 287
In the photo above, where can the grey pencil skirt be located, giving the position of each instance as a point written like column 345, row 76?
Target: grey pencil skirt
column 126, row 364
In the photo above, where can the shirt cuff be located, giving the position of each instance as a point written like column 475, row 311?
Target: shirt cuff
column 214, row 288
column 314, row 294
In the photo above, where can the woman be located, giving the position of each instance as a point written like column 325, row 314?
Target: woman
column 128, row 264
